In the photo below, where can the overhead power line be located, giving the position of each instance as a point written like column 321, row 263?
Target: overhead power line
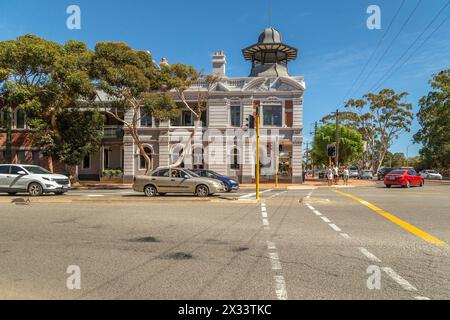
column 390, row 45
column 348, row 94
column 394, row 67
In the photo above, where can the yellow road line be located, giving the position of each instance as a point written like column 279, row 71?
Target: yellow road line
column 405, row 225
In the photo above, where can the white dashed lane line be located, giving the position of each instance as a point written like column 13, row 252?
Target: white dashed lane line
column 280, row 282
column 389, row 271
column 369, row 255
column 402, row 282
column 325, row 219
column 335, row 227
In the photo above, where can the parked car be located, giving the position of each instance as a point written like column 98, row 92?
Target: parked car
column 230, row 184
column 34, row 180
column 383, row 172
column 366, row 175
column 404, row 178
column 354, row 172
column 431, row 174
column 169, row 180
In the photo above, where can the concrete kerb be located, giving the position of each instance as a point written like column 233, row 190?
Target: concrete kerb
column 50, row 200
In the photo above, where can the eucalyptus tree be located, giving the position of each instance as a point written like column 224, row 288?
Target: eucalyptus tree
column 434, row 117
column 130, row 87
column 46, row 80
column 350, row 144
column 182, row 80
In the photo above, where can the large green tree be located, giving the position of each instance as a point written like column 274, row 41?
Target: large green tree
column 434, row 119
column 131, row 87
column 48, row 81
column 380, row 118
column 350, row 144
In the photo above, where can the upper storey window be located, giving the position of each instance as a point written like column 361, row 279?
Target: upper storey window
column 235, row 115
column 273, row 115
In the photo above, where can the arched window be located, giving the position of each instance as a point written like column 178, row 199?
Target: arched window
column 234, row 163
column 198, row 155
column 142, row 162
column 20, row 119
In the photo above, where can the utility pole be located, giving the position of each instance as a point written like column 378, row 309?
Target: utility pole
column 257, row 169
column 307, row 155
column 337, row 138
column 314, row 139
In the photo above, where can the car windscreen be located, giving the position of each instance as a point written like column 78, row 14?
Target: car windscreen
column 192, row 173
column 397, row 172
column 36, row 170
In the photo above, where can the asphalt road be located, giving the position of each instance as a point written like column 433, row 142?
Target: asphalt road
column 295, row 244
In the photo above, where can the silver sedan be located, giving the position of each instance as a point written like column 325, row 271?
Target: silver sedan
column 169, row 180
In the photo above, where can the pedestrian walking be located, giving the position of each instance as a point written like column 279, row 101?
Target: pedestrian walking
column 336, row 174
column 330, row 176
column 346, row 175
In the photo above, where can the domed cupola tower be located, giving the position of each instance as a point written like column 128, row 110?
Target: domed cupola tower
column 270, row 56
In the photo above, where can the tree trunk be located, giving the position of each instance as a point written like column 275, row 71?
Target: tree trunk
column 142, row 152
column 73, row 174
column 50, row 163
column 182, row 157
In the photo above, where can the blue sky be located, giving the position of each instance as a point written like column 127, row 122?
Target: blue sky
column 332, row 38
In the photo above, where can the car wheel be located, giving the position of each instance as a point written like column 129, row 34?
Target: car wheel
column 202, row 191
column 227, row 188
column 150, row 191
column 12, row 193
column 388, row 186
column 35, row 189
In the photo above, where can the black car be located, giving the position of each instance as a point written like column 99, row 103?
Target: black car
column 383, row 172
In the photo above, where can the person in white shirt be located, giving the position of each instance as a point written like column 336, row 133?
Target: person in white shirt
column 336, row 174
column 346, row 175
column 330, row 176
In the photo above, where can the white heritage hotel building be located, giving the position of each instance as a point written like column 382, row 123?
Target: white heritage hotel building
column 224, row 144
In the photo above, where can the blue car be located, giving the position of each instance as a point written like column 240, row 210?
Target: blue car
column 230, row 184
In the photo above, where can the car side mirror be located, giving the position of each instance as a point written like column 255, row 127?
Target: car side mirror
column 22, row 173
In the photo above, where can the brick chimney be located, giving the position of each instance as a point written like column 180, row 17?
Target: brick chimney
column 219, row 61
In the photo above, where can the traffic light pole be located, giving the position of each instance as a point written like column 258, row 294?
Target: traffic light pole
column 257, row 170
column 338, row 138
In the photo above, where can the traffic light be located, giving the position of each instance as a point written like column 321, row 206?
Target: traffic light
column 331, row 150
column 251, row 122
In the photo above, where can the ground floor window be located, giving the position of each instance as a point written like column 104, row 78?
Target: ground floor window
column 235, row 159
column 87, row 162
column 106, row 158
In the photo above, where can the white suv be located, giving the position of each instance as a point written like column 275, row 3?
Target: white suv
column 35, row 180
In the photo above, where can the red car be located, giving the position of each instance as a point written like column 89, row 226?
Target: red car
column 404, row 178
